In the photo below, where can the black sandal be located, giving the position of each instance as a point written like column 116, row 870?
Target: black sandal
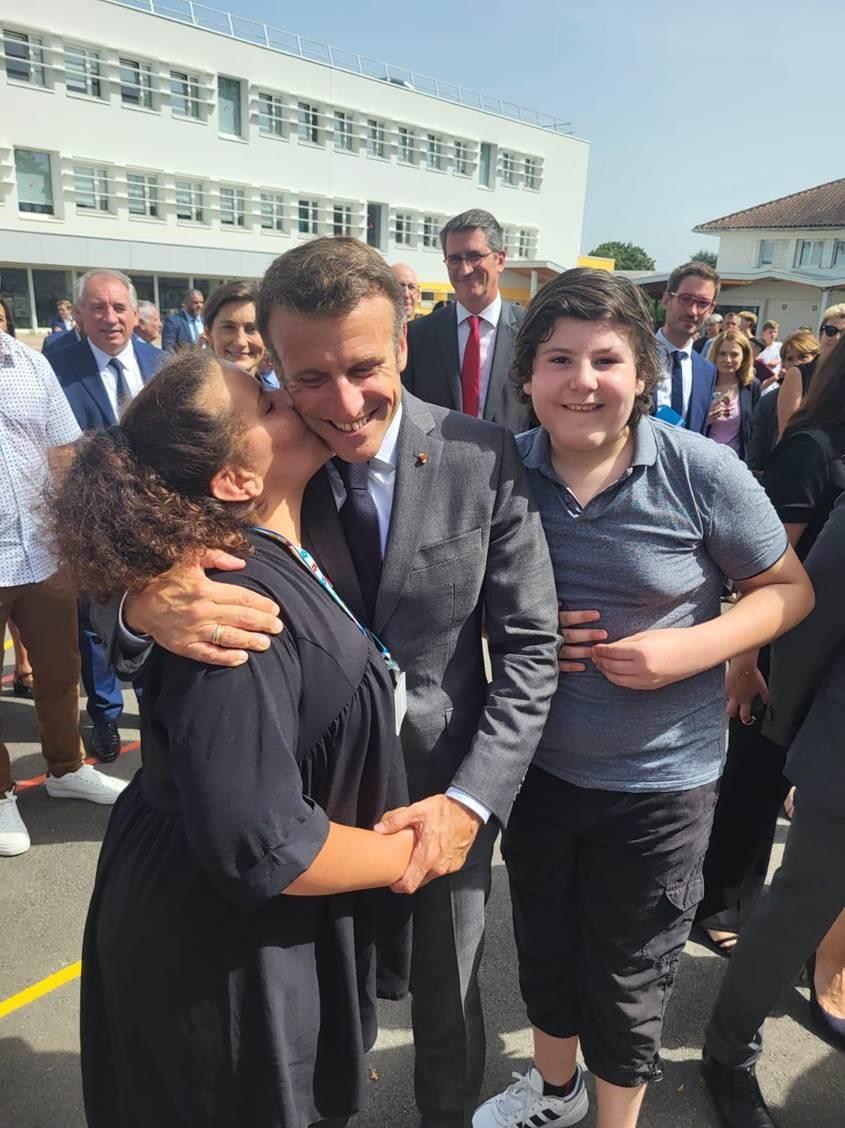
column 22, row 686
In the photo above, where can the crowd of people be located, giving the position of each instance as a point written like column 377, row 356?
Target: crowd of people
column 387, row 585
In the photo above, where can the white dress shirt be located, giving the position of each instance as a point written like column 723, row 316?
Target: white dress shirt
column 664, row 383
column 488, row 323
column 34, row 416
column 131, row 372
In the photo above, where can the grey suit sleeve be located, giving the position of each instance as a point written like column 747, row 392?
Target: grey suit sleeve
column 408, row 372
column 520, row 602
column 126, row 652
column 168, row 335
column 800, row 658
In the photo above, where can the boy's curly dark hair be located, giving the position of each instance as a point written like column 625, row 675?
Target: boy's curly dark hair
column 136, row 498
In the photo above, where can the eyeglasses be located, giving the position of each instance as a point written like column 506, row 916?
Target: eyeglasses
column 688, row 301
column 830, row 331
column 472, row 258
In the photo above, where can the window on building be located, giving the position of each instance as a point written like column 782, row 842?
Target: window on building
column 375, row 225
column 523, row 244
column 771, row 252
column 49, row 286
column 838, row 253
column 82, row 71
column 402, row 226
column 309, row 211
column 229, row 106
column 407, row 144
column 190, row 201
column 34, row 174
column 344, row 131
column 342, row 219
column 272, row 211
column 430, row 231
column 461, row 158
column 24, row 57
column 508, row 168
column 136, row 83
column 143, row 194
column 808, row 252
column 434, row 150
column 184, row 94
column 307, row 123
column 271, row 114
column 375, row 138
column 532, row 173
column 15, row 292
column 91, row 187
column 232, row 207
column 486, row 165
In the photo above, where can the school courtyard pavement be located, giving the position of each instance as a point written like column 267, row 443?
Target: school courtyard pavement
column 43, row 898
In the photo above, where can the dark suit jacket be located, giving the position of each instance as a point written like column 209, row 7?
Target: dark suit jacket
column 433, row 371
column 59, row 340
column 57, row 322
column 703, row 382
column 81, row 382
column 807, row 681
column 176, row 331
column 749, row 397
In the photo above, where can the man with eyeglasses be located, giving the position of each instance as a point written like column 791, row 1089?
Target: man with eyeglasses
column 460, row 356
column 686, row 386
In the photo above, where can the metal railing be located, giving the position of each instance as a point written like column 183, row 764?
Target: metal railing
column 288, row 43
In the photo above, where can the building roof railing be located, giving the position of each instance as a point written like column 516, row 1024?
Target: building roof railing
column 288, row 43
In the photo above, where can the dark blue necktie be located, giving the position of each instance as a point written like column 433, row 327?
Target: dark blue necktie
column 677, row 402
column 123, row 393
column 359, row 518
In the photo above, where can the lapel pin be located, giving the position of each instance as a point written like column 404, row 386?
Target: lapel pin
column 422, row 458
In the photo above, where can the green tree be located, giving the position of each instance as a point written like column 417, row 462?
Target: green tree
column 628, row 256
column 704, row 256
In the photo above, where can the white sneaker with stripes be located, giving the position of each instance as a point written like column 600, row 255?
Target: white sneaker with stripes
column 522, row 1105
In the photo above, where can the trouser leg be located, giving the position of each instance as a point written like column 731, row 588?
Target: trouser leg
column 807, row 894
column 6, row 598
column 448, row 1025
column 46, row 618
column 105, row 697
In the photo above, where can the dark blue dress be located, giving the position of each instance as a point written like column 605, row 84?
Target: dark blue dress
column 209, row 999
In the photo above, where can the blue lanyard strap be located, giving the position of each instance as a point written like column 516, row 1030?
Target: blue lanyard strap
column 310, row 564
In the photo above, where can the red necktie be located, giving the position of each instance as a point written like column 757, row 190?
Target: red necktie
column 471, row 369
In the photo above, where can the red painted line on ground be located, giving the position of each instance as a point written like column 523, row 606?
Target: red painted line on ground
column 36, row 781
column 8, row 679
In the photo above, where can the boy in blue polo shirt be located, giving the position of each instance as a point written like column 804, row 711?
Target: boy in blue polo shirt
column 607, row 838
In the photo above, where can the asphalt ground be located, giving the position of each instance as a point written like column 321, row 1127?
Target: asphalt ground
column 43, row 899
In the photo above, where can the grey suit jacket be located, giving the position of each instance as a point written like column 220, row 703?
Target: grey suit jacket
column 807, row 681
column 433, row 371
column 465, row 550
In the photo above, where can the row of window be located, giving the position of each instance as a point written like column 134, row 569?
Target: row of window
column 99, row 189
column 146, row 85
column 808, row 253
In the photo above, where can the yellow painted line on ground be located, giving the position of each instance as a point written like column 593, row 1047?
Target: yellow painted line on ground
column 7, row 645
column 38, row 990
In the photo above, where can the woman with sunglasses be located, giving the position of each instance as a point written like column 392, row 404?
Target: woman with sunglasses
column 796, row 382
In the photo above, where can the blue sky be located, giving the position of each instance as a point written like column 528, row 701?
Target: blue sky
column 690, row 116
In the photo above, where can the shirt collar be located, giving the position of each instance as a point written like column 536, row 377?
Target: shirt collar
column 491, row 314
column 126, row 357
column 537, row 448
column 386, row 456
column 670, row 348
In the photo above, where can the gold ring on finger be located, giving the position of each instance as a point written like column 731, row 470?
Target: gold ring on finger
column 218, row 634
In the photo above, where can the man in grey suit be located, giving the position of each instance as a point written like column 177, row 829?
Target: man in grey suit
column 807, row 714
column 460, row 356
column 425, row 525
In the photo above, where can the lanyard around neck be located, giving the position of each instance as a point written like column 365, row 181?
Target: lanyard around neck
column 304, row 557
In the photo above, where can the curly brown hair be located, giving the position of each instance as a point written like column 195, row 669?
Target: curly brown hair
column 589, row 295
column 136, row 498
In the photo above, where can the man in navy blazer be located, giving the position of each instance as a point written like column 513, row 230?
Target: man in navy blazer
column 688, row 379
column 99, row 374
column 185, row 327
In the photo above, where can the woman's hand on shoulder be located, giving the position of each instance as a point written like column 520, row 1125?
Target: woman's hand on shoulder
column 648, row 660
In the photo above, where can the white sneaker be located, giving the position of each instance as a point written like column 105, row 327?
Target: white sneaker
column 522, row 1105
column 14, row 838
column 85, row 783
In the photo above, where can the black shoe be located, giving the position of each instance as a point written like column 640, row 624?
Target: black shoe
column 736, row 1094
column 22, row 686
column 105, row 741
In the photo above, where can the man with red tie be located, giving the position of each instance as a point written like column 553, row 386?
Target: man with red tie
column 460, row 356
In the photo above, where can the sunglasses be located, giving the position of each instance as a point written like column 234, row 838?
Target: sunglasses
column 830, row 331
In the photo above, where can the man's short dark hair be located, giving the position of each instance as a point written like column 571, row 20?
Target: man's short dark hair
column 476, row 219
column 693, row 270
column 589, row 295
column 328, row 277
